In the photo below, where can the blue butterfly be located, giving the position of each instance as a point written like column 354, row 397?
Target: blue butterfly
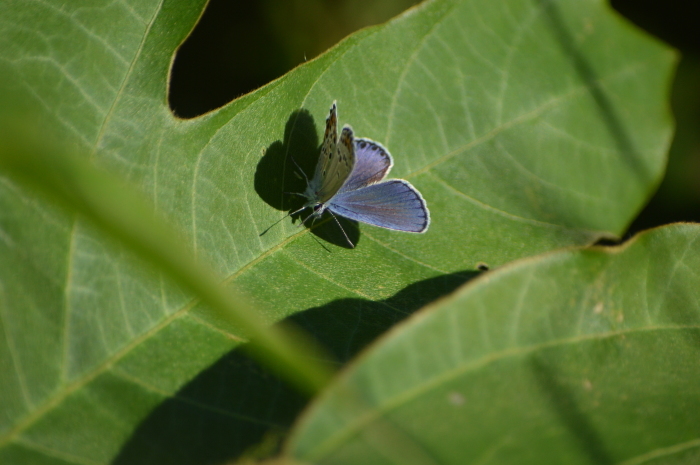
column 348, row 181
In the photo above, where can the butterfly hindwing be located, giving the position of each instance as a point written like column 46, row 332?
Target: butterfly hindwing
column 372, row 164
column 393, row 204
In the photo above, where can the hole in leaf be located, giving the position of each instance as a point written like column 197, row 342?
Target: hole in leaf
column 239, row 46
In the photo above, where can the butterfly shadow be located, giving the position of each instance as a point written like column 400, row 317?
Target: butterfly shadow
column 278, row 180
column 237, row 409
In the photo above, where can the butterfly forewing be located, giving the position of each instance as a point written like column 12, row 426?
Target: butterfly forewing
column 330, row 143
column 338, row 167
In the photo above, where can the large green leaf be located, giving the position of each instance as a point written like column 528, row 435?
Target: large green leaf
column 582, row 356
column 527, row 125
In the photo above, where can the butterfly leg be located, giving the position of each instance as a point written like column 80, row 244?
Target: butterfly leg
column 312, row 215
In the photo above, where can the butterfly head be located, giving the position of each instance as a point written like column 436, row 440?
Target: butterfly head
column 313, row 201
column 319, row 208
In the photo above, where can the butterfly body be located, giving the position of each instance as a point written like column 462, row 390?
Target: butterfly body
column 349, row 181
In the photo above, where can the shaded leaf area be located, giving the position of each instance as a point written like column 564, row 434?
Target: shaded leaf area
column 526, row 125
column 232, row 406
column 584, row 356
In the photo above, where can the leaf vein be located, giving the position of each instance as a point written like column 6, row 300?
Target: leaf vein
column 127, row 75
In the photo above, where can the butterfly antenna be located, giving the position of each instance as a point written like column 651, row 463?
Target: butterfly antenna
column 352, row 246
column 299, row 168
column 274, row 224
column 278, row 221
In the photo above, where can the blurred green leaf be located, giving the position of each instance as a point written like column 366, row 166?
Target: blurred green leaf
column 75, row 184
column 527, row 125
column 575, row 357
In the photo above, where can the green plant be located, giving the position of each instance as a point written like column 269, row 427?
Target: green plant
column 530, row 126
